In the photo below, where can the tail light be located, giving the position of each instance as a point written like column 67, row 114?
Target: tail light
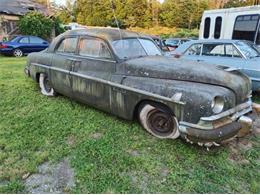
column 3, row 46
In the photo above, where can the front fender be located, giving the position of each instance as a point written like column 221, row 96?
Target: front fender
column 196, row 96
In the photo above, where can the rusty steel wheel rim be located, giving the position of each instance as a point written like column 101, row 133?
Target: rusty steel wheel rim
column 161, row 123
column 47, row 84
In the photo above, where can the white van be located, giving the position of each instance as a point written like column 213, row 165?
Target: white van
column 235, row 23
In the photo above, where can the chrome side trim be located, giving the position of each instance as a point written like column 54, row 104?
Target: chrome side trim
column 109, row 83
column 245, row 106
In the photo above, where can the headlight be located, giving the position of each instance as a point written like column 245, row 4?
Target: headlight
column 217, row 104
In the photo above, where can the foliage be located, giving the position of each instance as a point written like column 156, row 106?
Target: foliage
column 109, row 155
column 237, row 3
column 58, row 27
column 182, row 14
column 67, row 13
column 148, row 13
column 35, row 23
column 166, row 32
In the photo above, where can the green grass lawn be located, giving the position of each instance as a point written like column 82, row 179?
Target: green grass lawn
column 108, row 154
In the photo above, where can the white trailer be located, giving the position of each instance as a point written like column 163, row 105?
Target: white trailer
column 235, row 23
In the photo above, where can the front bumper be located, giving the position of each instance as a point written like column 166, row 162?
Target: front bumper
column 218, row 127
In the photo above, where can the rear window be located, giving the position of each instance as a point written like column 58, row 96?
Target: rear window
column 245, row 27
column 68, row 45
column 94, row 48
column 222, row 50
column 36, row 40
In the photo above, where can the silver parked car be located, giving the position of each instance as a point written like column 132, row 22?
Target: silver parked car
column 237, row 54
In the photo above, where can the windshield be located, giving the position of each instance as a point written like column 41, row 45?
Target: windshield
column 134, row 48
column 248, row 49
column 14, row 39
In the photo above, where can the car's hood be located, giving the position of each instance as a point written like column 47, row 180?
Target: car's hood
column 185, row 70
column 254, row 60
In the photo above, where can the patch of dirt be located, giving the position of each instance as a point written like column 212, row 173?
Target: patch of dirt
column 164, row 172
column 134, row 153
column 51, row 178
column 96, row 135
column 71, row 140
column 140, row 181
column 238, row 145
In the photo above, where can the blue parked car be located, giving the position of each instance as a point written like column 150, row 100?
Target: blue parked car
column 236, row 54
column 22, row 45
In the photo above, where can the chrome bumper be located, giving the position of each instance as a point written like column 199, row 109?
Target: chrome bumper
column 218, row 127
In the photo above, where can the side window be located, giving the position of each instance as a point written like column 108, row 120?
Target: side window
column 245, row 27
column 231, row 51
column 221, row 50
column 213, row 50
column 24, row 40
column 68, row 45
column 36, row 40
column 94, row 48
column 207, row 28
column 218, row 25
column 194, row 50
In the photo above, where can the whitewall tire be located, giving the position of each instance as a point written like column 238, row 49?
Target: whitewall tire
column 158, row 122
column 45, row 85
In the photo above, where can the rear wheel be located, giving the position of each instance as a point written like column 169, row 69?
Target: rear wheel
column 45, row 85
column 158, row 121
column 18, row 53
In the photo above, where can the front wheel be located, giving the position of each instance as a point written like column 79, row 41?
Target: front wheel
column 45, row 85
column 158, row 121
column 18, row 53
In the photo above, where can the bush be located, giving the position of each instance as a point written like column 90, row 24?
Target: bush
column 36, row 24
column 165, row 32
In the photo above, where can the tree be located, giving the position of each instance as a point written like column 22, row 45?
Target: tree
column 35, row 23
column 237, row 3
column 67, row 13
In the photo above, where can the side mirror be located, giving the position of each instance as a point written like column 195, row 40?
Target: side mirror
column 44, row 42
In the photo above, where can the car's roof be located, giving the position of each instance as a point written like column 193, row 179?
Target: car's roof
column 186, row 45
column 110, row 34
column 215, row 41
column 177, row 39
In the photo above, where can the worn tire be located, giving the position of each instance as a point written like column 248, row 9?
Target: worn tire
column 45, row 85
column 158, row 122
column 18, row 53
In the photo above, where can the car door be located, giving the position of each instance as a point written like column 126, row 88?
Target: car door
column 37, row 44
column 224, row 54
column 24, row 44
column 63, row 59
column 94, row 66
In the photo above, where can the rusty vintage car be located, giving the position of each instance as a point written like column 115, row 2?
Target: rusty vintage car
column 124, row 73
